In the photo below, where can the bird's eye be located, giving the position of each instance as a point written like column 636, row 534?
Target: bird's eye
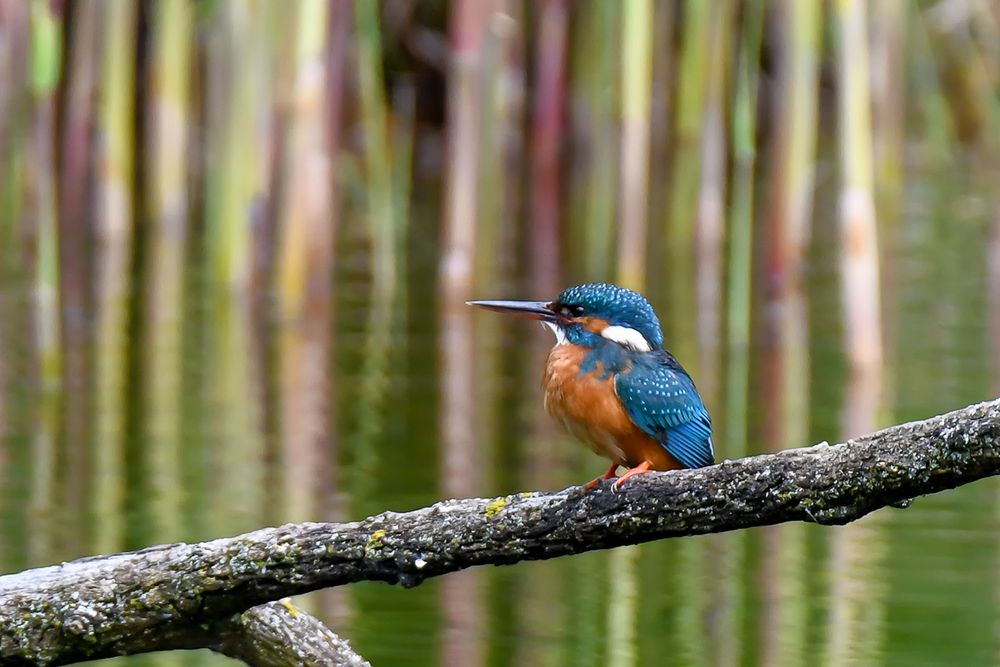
column 575, row 311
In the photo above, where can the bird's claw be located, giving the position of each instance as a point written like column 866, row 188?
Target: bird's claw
column 594, row 483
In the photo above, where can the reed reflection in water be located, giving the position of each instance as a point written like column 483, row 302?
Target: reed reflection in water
column 236, row 239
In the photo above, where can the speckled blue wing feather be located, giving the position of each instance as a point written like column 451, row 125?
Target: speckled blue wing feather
column 661, row 399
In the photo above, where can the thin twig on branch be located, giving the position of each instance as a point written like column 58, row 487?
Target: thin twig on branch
column 166, row 596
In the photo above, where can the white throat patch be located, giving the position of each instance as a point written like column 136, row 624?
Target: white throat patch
column 627, row 337
column 558, row 331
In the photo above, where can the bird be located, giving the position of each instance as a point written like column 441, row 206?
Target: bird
column 609, row 381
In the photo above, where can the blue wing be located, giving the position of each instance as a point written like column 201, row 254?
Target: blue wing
column 660, row 397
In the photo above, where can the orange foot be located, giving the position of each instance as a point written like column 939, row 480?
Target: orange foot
column 608, row 475
column 645, row 466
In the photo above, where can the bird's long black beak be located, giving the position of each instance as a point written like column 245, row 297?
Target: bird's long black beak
column 535, row 310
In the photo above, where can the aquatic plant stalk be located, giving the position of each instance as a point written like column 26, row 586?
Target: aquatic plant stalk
column 858, row 552
column 461, row 602
column 20, row 392
column 15, row 24
column 229, row 90
column 710, row 223
column 338, row 48
column 888, row 93
column 233, row 77
column 381, row 217
column 685, row 175
column 45, row 58
column 304, row 267
column 76, row 208
column 730, row 628
column 167, row 207
column 786, row 364
column 931, row 112
column 859, row 258
column 113, row 230
column 458, row 247
column 493, row 230
column 545, row 143
column 636, row 62
column 598, row 62
column 889, row 65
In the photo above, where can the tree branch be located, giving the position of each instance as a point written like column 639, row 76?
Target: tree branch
column 277, row 633
column 169, row 596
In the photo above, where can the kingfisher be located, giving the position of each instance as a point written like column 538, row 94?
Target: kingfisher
column 609, row 381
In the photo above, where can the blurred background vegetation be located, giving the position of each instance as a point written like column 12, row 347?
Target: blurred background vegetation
column 236, row 237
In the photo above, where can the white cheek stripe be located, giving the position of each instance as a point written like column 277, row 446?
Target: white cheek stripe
column 627, row 337
column 558, row 331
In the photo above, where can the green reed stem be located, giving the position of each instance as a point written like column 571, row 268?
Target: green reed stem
column 167, row 205
column 857, row 616
column 305, row 265
column 45, row 59
column 380, row 213
column 637, row 64
column 598, row 57
column 46, row 55
column 738, row 298
column 230, row 170
column 45, row 72
column 637, row 40
column 378, row 169
column 692, row 80
column 859, row 236
column 114, row 230
column 305, row 243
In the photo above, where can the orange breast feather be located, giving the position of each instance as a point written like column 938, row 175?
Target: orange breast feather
column 588, row 407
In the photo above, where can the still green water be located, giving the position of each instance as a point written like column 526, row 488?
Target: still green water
column 205, row 433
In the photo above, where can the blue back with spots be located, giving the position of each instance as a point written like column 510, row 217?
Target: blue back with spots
column 660, row 397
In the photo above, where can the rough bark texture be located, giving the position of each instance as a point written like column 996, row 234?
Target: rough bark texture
column 278, row 634
column 170, row 596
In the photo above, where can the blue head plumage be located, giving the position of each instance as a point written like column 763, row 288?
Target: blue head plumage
column 618, row 305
